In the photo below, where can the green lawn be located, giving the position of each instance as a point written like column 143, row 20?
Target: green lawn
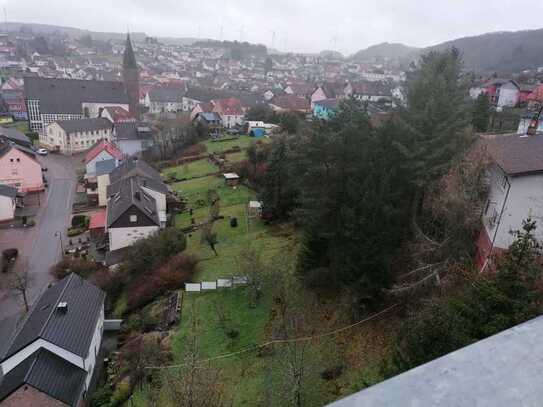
column 243, row 142
column 191, row 170
column 22, row 126
column 236, row 157
column 195, row 191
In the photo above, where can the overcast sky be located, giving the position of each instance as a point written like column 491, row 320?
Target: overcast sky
column 299, row 25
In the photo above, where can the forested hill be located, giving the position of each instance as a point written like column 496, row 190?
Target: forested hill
column 500, row 51
column 385, row 50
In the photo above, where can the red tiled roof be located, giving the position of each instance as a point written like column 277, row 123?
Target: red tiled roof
column 98, row 220
column 230, row 106
column 118, row 114
column 537, row 94
column 291, row 102
column 102, row 145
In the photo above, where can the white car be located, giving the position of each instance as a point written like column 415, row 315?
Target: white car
column 42, row 151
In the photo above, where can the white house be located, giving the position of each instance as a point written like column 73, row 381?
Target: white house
column 72, row 136
column 508, row 94
column 516, row 193
column 102, row 151
column 8, row 202
column 132, row 213
column 48, row 358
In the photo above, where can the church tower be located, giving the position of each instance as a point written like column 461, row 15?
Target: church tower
column 131, row 78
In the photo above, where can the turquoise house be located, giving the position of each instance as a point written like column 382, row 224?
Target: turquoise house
column 325, row 109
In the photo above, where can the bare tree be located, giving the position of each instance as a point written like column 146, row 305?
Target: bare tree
column 195, row 384
column 20, row 283
column 251, row 265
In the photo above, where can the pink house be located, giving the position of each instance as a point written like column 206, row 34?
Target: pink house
column 19, row 168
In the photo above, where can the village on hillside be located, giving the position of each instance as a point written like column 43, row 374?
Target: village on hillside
column 177, row 222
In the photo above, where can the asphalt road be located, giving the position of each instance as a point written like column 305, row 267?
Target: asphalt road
column 39, row 248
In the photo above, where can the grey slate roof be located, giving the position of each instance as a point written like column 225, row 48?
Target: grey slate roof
column 165, row 95
column 48, row 373
column 515, row 154
column 133, row 166
column 7, row 190
column 132, row 131
column 129, row 193
column 71, row 330
column 67, row 95
column 105, row 166
column 85, row 125
column 501, row 371
column 16, row 136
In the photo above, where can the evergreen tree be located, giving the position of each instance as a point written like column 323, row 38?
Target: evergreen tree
column 436, row 117
column 278, row 187
column 481, row 113
column 353, row 190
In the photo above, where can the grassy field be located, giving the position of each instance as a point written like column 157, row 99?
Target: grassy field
column 236, row 157
column 254, row 378
column 191, row 170
column 243, row 142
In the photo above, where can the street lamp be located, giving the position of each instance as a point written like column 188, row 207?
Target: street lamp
column 57, row 233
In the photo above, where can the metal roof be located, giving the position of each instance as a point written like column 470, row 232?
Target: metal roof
column 9, row 191
column 49, row 374
column 71, row 330
column 68, row 95
column 501, row 371
column 84, row 125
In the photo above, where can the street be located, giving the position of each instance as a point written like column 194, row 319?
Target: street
column 39, row 247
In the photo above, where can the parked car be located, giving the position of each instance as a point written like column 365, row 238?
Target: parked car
column 8, row 258
column 42, row 151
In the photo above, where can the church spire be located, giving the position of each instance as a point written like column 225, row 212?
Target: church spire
column 129, row 59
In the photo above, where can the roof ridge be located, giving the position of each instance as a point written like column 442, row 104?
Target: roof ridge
column 27, row 374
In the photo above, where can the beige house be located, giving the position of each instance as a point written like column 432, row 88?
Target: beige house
column 72, row 136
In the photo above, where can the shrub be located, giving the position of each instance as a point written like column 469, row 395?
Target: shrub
column 150, row 253
column 172, row 275
column 101, row 397
column 81, row 267
column 121, row 394
column 75, row 231
column 80, row 222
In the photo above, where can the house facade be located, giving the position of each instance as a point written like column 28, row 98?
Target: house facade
column 8, row 202
column 53, row 350
column 51, row 99
column 101, row 151
column 19, row 168
column 515, row 192
column 72, row 136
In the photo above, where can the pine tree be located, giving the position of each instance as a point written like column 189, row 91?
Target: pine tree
column 352, row 204
column 481, row 113
column 437, row 116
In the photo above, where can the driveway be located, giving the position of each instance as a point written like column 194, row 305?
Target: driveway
column 38, row 246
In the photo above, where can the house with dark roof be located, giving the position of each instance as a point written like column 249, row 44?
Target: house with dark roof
column 15, row 136
column 8, row 202
column 51, row 99
column 19, row 167
column 373, row 91
column 515, row 178
column 162, row 100
column 47, row 357
column 73, row 136
column 303, row 90
column 132, row 212
column 133, row 138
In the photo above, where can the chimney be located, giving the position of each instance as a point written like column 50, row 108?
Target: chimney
column 62, row 307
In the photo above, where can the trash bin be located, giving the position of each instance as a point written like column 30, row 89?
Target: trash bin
column 234, row 222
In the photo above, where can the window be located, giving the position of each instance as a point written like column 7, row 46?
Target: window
column 11, row 160
column 133, row 218
column 18, row 160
